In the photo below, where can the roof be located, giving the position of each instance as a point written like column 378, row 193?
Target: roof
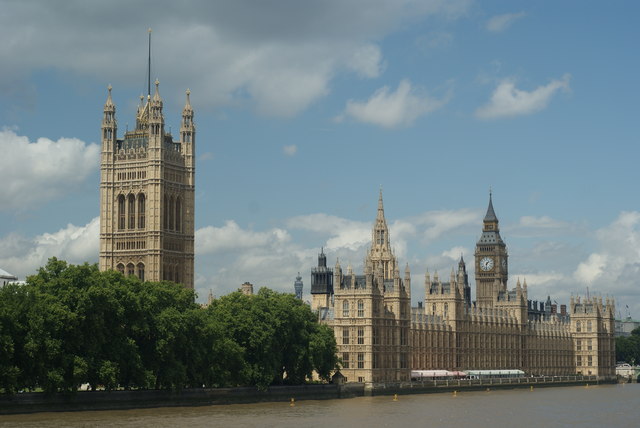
column 491, row 214
column 6, row 275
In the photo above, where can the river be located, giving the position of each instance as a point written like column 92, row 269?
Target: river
column 586, row 407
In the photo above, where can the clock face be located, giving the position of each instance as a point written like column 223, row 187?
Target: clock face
column 486, row 263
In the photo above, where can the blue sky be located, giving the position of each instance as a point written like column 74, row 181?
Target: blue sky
column 304, row 109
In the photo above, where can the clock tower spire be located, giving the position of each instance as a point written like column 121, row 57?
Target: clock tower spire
column 491, row 260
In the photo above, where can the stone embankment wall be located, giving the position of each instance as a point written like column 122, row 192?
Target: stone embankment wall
column 118, row 400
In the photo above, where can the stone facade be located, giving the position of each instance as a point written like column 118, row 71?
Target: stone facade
column 147, row 183
column 381, row 337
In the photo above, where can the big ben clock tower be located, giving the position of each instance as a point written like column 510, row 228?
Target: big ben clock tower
column 491, row 260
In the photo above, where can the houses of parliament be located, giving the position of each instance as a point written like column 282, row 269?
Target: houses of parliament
column 147, row 183
column 381, row 337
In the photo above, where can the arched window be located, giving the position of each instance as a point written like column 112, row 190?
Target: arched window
column 131, row 270
column 141, row 271
column 345, row 308
column 165, row 214
column 178, row 215
column 360, row 308
column 120, row 266
column 171, row 213
column 141, row 214
column 121, row 214
column 132, row 212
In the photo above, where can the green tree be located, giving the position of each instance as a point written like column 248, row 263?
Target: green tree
column 324, row 351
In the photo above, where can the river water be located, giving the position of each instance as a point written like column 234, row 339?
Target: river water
column 586, row 407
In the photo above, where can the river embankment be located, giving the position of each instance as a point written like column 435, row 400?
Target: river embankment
column 35, row 402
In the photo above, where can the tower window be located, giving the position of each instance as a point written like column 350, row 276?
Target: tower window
column 120, row 268
column 361, row 336
column 345, row 336
column 165, row 213
column 171, row 213
column 141, row 214
column 360, row 360
column 178, row 215
column 141, row 271
column 121, row 214
column 130, row 269
column 345, row 360
column 345, row 308
column 132, row 212
column 380, row 237
column 360, row 308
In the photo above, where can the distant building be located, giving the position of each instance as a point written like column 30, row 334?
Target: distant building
column 6, row 277
column 381, row 338
column 247, row 289
column 624, row 327
column 297, row 286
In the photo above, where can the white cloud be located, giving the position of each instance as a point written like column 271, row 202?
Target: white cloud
column 36, row 172
column 278, row 56
column 212, row 239
column 393, row 109
column 367, row 61
column 441, row 222
column 343, row 233
column 290, row 150
column 500, row 23
column 75, row 244
column 618, row 255
column 508, row 101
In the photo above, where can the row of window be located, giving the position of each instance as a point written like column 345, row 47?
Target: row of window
column 579, row 326
column 131, row 270
column 131, row 212
column 588, row 347
column 127, row 211
column 346, row 360
column 579, row 361
column 345, row 308
column 345, row 336
column 131, row 245
column 131, row 175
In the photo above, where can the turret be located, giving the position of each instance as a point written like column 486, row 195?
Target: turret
column 109, row 125
column 156, row 117
column 187, row 128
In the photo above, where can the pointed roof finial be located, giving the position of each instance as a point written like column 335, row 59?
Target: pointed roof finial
column 380, row 206
column 156, row 96
column 491, row 215
column 109, row 102
column 188, row 104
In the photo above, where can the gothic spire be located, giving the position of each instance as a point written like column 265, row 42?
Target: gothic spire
column 109, row 102
column 187, row 105
column 380, row 207
column 156, row 96
column 491, row 215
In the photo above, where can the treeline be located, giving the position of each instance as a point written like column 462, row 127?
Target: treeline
column 628, row 348
column 72, row 325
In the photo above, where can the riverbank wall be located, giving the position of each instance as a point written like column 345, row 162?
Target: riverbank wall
column 435, row 386
column 123, row 400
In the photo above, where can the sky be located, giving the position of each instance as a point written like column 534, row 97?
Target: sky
column 305, row 109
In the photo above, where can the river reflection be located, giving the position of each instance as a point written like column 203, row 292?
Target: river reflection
column 593, row 406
